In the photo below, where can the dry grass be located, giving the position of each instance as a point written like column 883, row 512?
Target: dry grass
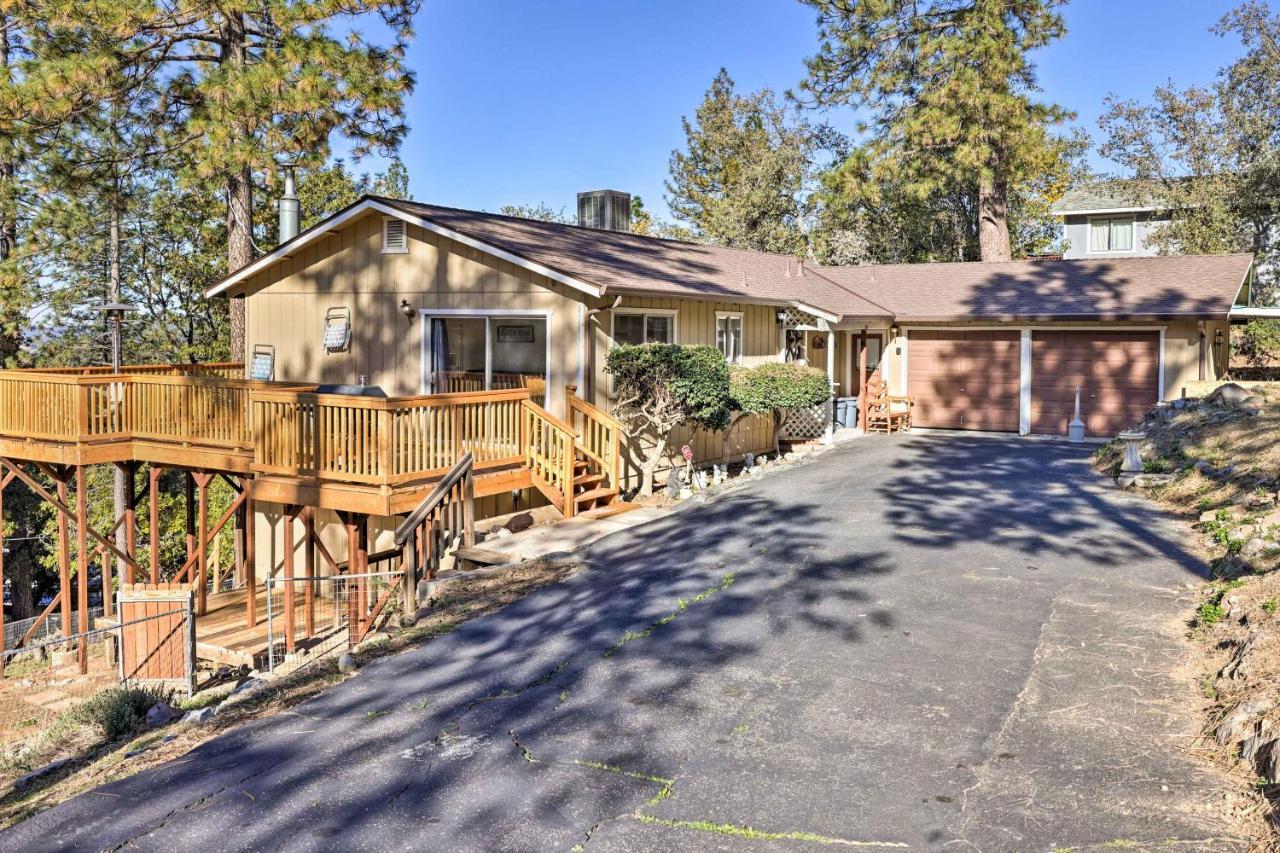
column 97, row 762
column 1236, row 627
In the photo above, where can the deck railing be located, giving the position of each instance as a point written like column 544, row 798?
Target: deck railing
column 292, row 430
column 599, row 436
column 384, row 441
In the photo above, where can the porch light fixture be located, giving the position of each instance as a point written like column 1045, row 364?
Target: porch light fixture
column 407, row 310
column 894, row 331
column 1217, row 337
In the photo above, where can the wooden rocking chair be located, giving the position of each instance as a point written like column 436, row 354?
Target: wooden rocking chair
column 886, row 413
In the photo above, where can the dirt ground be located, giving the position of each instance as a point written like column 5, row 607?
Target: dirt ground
column 1221, row 461
column 95, row 762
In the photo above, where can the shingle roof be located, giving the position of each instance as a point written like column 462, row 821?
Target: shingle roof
column 619, row 263
column 629, row 263
column 1106, row 195
column 1092, row 289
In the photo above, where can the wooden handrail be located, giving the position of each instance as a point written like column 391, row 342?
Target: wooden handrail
column 598, row 436
column 431, row 502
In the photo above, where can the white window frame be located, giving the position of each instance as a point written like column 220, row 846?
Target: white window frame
column 395, row 250
column 1133, row 234
column 731, row 315
column 426, row 315
column 649, row 312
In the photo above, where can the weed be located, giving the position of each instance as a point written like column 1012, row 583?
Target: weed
column 726, row 581
column 420, row 705
column 373, row 715
column 737, row 831
column 1208, row 689
column 1269, row 606
column 1210, row 613
column 116, row 711
column 741, row 729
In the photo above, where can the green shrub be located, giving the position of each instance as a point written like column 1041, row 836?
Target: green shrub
column 1210, row 613
column 118, row 710
column 659, row 387
column 773, row 387
column 1259, row 342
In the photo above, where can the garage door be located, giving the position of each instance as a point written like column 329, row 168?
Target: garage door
column 964, row 380
column 1118, row 374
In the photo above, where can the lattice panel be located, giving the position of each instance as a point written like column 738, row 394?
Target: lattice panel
column 799, row 424
column 796, row 318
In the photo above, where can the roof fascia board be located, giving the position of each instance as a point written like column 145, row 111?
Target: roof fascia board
column 1102, row 210
column 325, row 228
column 815, row 311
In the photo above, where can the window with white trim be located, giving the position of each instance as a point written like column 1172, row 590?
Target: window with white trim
column 644, row 327
column 729, row 335
column 1111, row 234
column 394, row 238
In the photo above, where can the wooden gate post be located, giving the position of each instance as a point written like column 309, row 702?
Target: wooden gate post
column 64, row 558
column 82, row 564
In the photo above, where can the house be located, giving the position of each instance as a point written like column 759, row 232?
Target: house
column 1109, row 219
column 441, row 298
column 406, row 353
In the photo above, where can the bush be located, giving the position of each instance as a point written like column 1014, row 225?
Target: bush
column 775, row 386
column 118, row 710
column 1259, row 342
column 659, row 387
column 778, row 385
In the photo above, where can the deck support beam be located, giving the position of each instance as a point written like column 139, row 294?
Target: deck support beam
column 290, row 513
column 250, row 562
column 64, row 557
column 130, row 471
column 154, row 473
column 82, row 564
column 309, row 568
column 189, row 493
column 201, row 574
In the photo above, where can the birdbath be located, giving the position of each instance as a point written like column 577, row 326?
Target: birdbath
column 1132, row 455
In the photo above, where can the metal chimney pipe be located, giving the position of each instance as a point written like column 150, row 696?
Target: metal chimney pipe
column 288, row 206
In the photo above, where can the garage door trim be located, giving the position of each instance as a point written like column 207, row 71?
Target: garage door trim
column 1024, row 400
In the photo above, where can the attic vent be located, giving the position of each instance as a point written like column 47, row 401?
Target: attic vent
column 393, row 237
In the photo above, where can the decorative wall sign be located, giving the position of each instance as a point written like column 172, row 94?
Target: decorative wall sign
column 515, row 334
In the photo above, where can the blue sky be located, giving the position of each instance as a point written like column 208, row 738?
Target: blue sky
column 522, row 102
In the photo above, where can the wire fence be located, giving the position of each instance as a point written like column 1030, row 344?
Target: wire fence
column 44, row 680
column 52, row 626
column 310, row 619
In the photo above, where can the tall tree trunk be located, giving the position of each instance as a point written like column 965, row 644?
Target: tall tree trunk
column 235, row 52
column 8, row 168
column 993, row 220
column 118, row 484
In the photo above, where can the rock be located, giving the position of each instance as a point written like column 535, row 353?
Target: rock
column 523, row 521
column 500, row 533
column 51, row 767
column 686, row 493
column 1228, row 396
column 1144, row 481
column 1254, row 547
column 748, row 460
column 248, row 686
column 1253, row 405
column 673, row 483
column 1233, row 512
column 346, row 663
column 1256, row 747
column 1205, row 468
column 161, row 714
column 1260, row 500
column 195, row 718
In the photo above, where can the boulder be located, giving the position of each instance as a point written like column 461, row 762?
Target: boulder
column 1229, row 396
column 1254, row 547
column 1233, row 512
column 195, row 718
column 522, row 521
column 1144, row 481
column 673, row 483
column 347, row 663
column 161, row 714
column 35, row 775
column 1239, row 722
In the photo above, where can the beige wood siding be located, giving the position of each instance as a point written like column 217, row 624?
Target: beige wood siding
column 696, row 325
column 287, row 305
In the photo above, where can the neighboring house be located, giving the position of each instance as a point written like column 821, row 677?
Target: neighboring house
column 1106, row 220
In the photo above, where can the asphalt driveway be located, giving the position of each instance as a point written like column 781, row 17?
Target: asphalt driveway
column 910, row 642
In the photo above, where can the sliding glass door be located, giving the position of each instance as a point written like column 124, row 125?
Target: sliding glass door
column 468, row 353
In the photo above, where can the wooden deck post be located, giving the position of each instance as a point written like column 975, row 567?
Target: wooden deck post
column 2, row 485
column 82, row 564
column 353, row 563
column 362, row 584
column 309, row 568
column 130, row 520
column 189, row 489
column 250, row 565
column 64, row 557
column 289, row 543
column 105, row 556
column 409, row 583
column 153, row 521
column 201, row 573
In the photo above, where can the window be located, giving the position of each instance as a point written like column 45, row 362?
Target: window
column 393, row 236
column 644, row 328
column 729, row 335
column 1111, row 235
column 467, row 353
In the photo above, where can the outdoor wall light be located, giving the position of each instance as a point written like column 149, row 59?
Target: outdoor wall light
column 407, row 310
column 1217, row 337
column 894, row 331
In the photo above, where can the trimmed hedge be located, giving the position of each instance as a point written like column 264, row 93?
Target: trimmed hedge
column 693, row 380
column 774, row 385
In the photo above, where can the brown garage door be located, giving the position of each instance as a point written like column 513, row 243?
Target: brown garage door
column 964, row 380
column 1118, row 374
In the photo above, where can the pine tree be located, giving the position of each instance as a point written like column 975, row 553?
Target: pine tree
column 747, row 171
column 949, row 90
column 245, row 84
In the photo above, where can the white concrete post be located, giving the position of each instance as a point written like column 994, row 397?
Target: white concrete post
column 829, row 433
column 1024, row 385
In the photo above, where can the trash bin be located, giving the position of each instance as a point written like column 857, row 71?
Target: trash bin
column 847, row 412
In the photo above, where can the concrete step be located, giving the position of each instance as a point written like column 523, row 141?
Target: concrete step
column 472, row 557
column 616, row 508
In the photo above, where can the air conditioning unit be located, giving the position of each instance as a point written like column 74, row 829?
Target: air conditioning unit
column 605, row 210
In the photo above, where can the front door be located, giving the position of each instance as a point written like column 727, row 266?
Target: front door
column 861, row 371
